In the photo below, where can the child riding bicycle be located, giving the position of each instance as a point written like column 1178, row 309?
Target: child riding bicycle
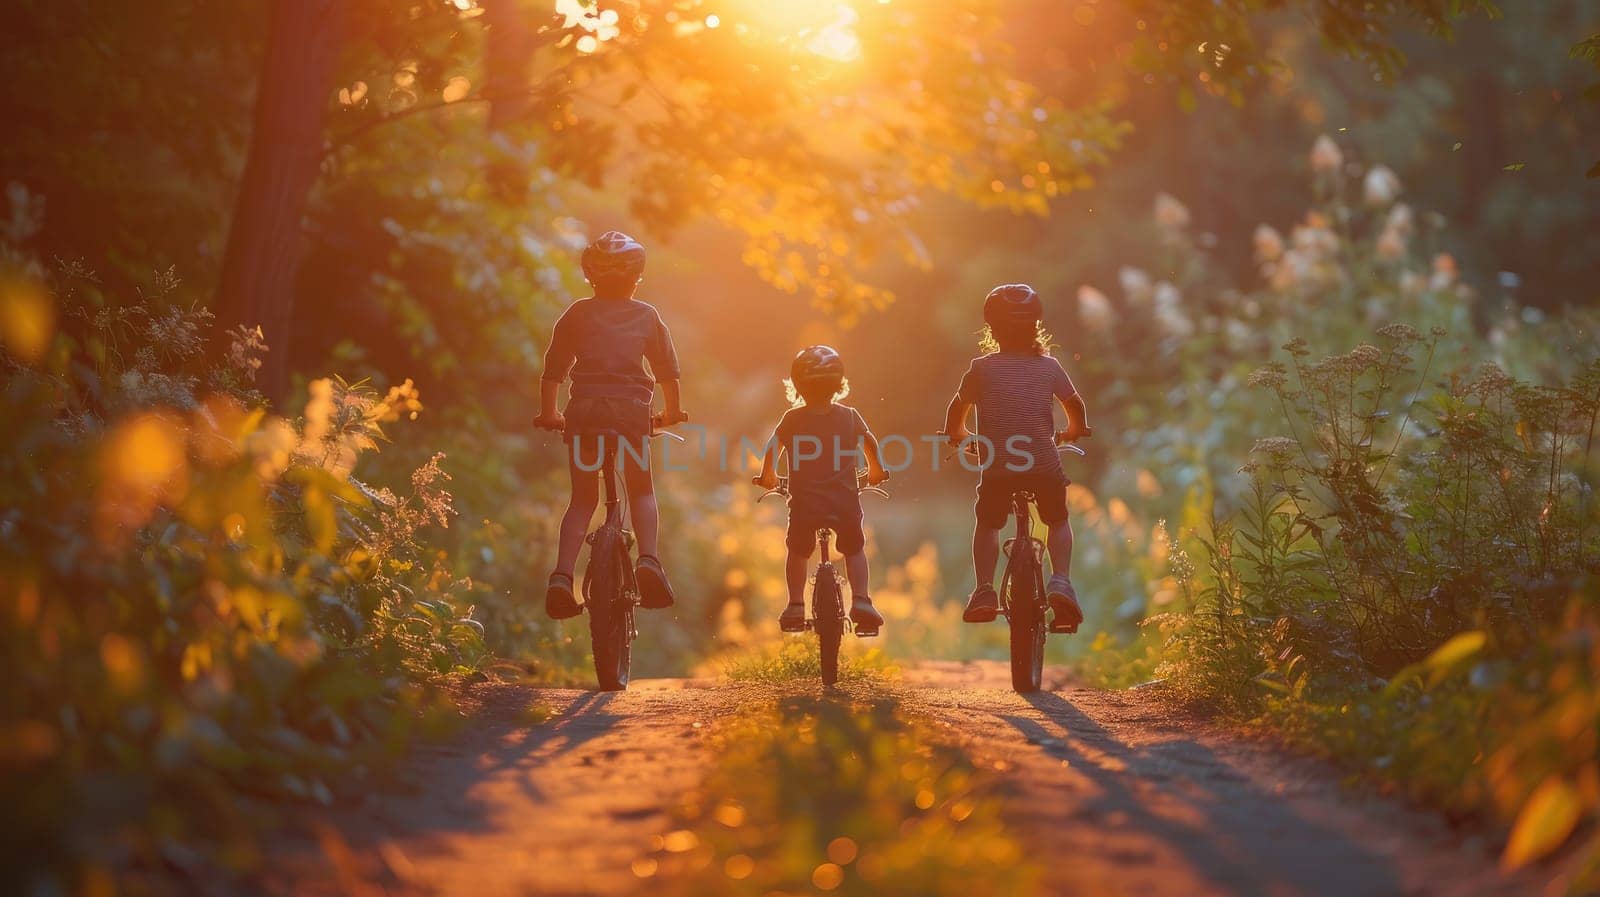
column 1014, row 385
column 603, row 342
column 824, row 441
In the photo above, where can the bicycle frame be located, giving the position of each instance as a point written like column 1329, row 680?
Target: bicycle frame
column 828, row 618
column 1022, row 514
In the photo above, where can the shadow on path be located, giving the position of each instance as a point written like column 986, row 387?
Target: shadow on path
column 1175, row 800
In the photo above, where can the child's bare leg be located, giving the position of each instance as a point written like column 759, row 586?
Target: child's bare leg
column 580, row 511
column 865, row 617
column 793, row 618
column 985, row 553
column 655, row 592
column 641, row 504
column 1063, row 598
column 983, row 605
column 856, row 569
column 794, row 573
column 1060, row 544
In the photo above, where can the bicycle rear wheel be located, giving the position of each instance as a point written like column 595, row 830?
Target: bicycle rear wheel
column 610, row 610
column 828, row 613
column 1023, row 587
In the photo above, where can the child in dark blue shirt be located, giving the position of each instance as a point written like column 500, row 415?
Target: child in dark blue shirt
column 824, row 441
column 604, row 342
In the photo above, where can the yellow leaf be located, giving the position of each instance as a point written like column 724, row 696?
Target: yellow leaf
column 1458, row 649
column 1546, row 820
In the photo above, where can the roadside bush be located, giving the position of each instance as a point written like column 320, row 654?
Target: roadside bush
column 201, row 600
column 1400, row 572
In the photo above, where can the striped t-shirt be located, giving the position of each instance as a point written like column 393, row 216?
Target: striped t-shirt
column 1014, row 393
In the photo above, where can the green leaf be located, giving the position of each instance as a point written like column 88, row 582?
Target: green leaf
column 1515, row 166
column 1546, row 820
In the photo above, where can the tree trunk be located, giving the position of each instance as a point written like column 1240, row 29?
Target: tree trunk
column 265, row 238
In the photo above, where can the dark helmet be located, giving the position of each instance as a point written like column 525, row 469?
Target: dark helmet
column 614, row 256
column 1012, row 304
column 816, row 363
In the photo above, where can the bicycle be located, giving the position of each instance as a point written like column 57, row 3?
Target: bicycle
column 1022, row 592
column 610, row 589
column 828, row 618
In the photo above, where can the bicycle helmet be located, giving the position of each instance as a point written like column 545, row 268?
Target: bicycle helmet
column 1012, row 304
column 816, row 363
column 615, row 255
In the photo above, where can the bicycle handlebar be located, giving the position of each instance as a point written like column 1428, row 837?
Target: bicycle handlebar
column 783, row 487
column 656, row 422
column 970, row 445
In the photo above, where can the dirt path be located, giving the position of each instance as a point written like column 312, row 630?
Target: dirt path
column 1121, row 799
column 1133, row 802
column 513, row 807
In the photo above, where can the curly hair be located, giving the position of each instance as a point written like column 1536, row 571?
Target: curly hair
column 1020, row 339
column 816, row 392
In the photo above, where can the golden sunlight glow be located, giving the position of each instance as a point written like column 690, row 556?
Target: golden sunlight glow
column 824, row 27
column 27, row 319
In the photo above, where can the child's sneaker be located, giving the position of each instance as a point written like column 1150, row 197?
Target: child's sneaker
column 793, row 618
column 559, row 602
column 655, row 592
column 1064, row 601
column 982, row 606
column 864, row 616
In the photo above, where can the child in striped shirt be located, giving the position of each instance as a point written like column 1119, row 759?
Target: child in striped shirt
column 1014, row 386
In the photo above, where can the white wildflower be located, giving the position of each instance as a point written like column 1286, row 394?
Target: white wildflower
column 1269, row 243
column 1391, row 245
column 1094, row 309
column 1380, row 187
column 1135, row 284
column 1170, row 213
column 1326, row 157
column 1445, row 272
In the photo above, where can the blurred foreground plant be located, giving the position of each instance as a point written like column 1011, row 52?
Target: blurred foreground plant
column 198, row 600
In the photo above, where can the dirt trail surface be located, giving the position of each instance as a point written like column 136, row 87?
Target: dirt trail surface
column 519, row 807
column 1106, row 789
column 1124, row 799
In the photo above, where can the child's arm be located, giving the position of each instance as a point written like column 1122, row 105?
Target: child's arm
column 663, row 358
column 549, row 396
column 1077, row 418
column 768, row 478
column 1072, row 404
column 955, row 420
column 558, row 360
column 876, row 473
column 672, row 392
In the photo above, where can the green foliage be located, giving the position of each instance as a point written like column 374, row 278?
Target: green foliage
column 200, row 599
column 801, row 658
column 1404, row 577
column 793, row 779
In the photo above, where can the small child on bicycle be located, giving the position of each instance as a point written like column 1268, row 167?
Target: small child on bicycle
column 824, row 441
column 1014, row 385
column 603, row 342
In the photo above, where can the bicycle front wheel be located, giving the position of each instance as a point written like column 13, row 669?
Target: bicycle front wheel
column 1024, row 586
column 829, row 621
column 610, row 611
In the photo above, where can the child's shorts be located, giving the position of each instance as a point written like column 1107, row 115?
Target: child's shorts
column 995, row 489
column 848, row 535
column 596, row 423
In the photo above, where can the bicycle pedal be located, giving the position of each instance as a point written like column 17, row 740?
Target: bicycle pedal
column 1064, row 630
column 803, row 627
column 866, row 633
